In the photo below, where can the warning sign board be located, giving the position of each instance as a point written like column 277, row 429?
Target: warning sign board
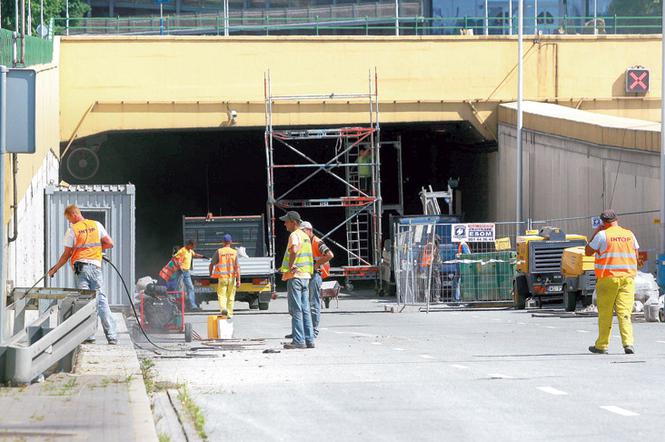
column 637, row 80
column 481, row 232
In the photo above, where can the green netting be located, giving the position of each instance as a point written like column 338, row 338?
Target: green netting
column 37, row 50
column 487, row 276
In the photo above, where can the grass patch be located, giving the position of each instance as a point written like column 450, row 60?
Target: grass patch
column 194, row 412
column 148, row 372
column 164, row 437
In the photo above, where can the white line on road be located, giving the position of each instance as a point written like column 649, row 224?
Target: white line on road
column 552, row 390
column 398, row 349
column 618, row 410
column 550, row 326
column 582, row 331
column 522, row 323
column 459, row 366
column 475, row 316
column 661, row 342
column 500, row 376
column 496, row 319
column 426, row 357
column 376, row 343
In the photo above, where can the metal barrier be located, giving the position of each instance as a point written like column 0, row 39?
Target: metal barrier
column 36, row 347
column 37, row 50
column 430, row 269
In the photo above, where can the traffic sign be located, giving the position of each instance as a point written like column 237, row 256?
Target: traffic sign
column 637, row 80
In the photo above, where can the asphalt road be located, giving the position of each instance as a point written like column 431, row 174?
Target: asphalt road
column 498, row 375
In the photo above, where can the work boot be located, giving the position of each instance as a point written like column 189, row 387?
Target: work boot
column 293, row 346
column 113, row 341
column 316, row 332
column 597, row 351
column 310, row 345
column 289, row 336
column 629, row 350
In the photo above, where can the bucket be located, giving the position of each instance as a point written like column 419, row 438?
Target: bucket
column 213, row 326
column 224, row 327
column 651, row 312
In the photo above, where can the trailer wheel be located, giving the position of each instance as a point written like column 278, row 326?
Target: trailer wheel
column 326, row 301
column 264, row 305
column 188, row 332
column 254, row 303
column 587, row 300
column 520, row 292
column 570, row 299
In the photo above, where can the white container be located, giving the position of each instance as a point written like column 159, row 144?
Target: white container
column 651, row 312
column 224, row 328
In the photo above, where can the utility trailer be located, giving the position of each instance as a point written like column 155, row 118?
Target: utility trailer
column 257, row 269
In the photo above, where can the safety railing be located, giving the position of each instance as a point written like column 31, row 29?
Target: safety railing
column 37, row 50
column 431, row 267
column 266, row 24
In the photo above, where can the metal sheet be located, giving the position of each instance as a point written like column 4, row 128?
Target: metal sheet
column 21, row 110
column 260, row 266
column 115, row 205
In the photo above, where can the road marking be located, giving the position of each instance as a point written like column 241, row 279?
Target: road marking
column 376, row 343
column 500, row 376
column 459, row 366
column 398, row 349
column 496, row 319
column 426, row 357
column 661, row 342
column 552, row 390
column 582, row 331
column 475, row 316
column 549, row 326
column 522, row 323
column 618, row 410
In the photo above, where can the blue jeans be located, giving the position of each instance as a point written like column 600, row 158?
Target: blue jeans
column 186, row 278
column 90, row 278
column 301, row 317
column 315, row 298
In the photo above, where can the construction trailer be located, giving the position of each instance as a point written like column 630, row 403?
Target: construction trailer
column 359, row 206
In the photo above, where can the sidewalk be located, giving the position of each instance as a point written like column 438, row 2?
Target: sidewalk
column 103, row 400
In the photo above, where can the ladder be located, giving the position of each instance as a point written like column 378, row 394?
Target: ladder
column 358, row 235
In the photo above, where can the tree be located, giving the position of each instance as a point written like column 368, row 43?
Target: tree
column 52, row 8
column 635, row 8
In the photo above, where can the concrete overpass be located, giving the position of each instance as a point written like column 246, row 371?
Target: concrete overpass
column 153, row 83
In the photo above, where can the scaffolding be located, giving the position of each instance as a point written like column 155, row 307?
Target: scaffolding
column 359, row 207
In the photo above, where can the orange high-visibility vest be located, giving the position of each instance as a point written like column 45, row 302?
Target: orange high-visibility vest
column 426, row 259
column 87, row 243
column 225, row 267
column 325, row 268
column 620, row 257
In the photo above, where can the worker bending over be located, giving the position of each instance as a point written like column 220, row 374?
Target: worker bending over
column 322, row 256
column 224, row 266
column 616, row 267
column 184, row 257
column 297, row 268
column 84, row 242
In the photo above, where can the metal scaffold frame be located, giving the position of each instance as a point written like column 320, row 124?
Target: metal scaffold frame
column 360, row 201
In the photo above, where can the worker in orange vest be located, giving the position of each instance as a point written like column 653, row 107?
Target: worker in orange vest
column 84, row 242
column 616, row 251
column 224, row 266
column 322, row 256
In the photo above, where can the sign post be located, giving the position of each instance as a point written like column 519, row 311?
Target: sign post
column 161, row 15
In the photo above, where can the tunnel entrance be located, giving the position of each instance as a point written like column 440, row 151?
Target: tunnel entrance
column 224, row 172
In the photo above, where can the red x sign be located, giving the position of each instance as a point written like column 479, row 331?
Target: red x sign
column 637, row 80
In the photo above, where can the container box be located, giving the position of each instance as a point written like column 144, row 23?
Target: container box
column 574, row 261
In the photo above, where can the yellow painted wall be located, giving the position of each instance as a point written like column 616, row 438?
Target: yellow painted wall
column 47, row 135
column 191, row 82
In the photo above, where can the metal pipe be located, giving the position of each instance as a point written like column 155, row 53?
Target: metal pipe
column 396, row 17
column 67, row 16
column 595, row 17
column 510, row 17
column 11, row 238
column 535, row 17
column 520, row 92
column 23, row 32
column 662, row 139
column 226, row 18
column 486, row 23
column 3, row 148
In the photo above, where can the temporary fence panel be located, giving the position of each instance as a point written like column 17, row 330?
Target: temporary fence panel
column 429, row 268
column 113, row 206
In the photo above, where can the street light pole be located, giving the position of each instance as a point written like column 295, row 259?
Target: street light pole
column 662, row 139
column 396, row 17
column 510, row 17
column 520, row 78
column 487, row 19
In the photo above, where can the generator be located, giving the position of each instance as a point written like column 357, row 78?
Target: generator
column 539, row 264
column 162, row 310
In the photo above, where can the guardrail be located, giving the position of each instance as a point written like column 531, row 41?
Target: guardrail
column 37, row 50
column 35, row 348
column 380, row 25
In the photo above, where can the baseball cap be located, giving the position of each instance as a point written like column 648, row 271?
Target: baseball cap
column 306, row 225
column 608, row 215
column 227, row 238
column 291, row 215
